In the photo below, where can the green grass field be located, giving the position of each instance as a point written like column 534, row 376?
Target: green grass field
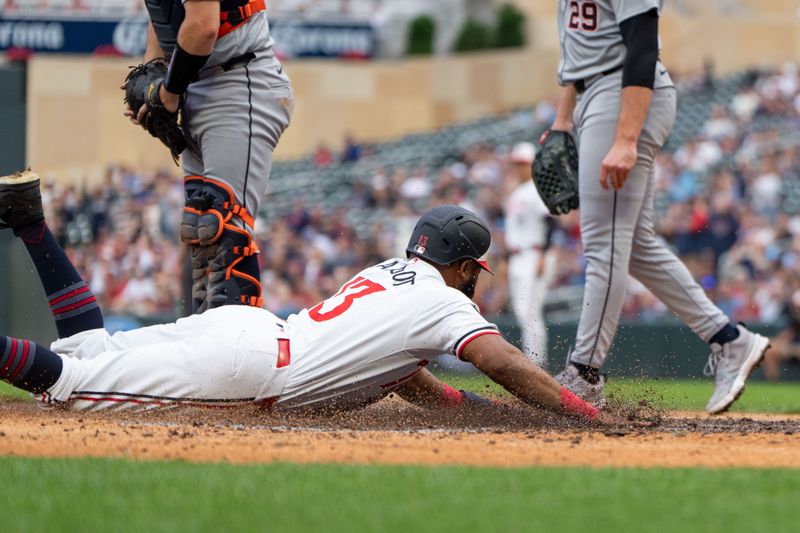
column 119, row 495
column 105, row 495
column 760, row 396
column 691, row 395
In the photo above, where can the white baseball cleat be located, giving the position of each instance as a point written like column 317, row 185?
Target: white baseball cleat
column 571, row 379
column 731, row 364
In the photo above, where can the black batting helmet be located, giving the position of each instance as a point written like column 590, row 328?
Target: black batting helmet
column 448, row 233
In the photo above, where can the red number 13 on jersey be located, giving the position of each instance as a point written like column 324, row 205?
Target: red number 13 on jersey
column 355, row 288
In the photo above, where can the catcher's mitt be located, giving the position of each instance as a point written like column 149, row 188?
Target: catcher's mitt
column 555, row 171
column 141, row 87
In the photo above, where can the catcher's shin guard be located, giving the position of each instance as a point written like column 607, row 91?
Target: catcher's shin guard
column 195, row 204
column 199, row 257
column 233, row 273
column 224, row 264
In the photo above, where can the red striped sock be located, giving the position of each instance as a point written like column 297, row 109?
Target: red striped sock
column 72, row 303
column 27, row 365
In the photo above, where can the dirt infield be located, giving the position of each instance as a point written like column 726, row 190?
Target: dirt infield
column 394, row 433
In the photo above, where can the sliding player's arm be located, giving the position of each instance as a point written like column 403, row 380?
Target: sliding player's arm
column 426, row 390
column 508, row 367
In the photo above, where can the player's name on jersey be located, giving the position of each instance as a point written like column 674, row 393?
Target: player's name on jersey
column 399, row 272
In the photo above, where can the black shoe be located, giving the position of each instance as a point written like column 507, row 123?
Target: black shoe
column 20, row 201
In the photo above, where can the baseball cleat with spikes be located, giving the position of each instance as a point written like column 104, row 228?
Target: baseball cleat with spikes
column 20, row 201
column 594, row 393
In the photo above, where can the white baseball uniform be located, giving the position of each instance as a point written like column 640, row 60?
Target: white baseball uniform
column 526, row 236
column 380, row 329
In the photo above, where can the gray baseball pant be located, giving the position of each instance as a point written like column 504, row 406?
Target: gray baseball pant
column 234, row 120
column 617, row 227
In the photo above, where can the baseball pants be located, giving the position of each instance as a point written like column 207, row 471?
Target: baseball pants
column 224, row 357
column 234, row 120
column 617, row 227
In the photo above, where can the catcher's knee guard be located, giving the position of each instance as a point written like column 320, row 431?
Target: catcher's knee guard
column 224, row 263
column 195, row 200
column 233, row 273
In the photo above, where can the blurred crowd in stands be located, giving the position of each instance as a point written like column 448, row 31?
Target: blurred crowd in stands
column 296, row 8
column 725, row 203
column 123, row 237
column 73, row 7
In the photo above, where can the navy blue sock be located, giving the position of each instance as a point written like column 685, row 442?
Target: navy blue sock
column 28, row 366
column 589, row 373
column 73, row 305
column 727, row 334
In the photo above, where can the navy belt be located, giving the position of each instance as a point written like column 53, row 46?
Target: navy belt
column 582, row 85
column 232, row 63
column 238, row 61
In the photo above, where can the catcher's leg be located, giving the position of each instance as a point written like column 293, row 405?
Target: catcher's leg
column 196, row 204
column 238, row 119
column 225, row 266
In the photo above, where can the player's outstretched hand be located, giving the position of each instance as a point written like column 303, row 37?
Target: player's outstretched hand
column 617, row 164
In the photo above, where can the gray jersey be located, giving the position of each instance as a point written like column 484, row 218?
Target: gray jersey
column 252, row 36
column 591, row 42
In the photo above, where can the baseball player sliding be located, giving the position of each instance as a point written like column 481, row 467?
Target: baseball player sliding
column 235, row 101
column 621, row 102
column 527, row 233
column 375, row 335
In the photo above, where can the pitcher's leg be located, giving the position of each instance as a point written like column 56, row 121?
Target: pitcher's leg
column 608, row 222
column 624, row 211
column 670, row 281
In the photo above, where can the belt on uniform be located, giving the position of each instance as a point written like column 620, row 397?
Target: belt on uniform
column 582, row 85
column 284, row 353
column 232, row 63
column 238, row 61
column 284, row 359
